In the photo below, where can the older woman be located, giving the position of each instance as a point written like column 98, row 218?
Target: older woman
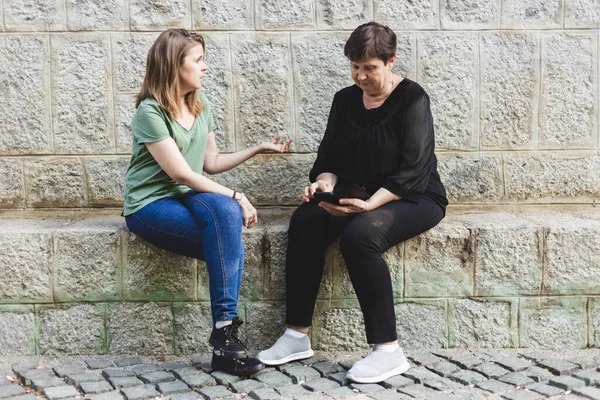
column 168, row 201
column 380, row 136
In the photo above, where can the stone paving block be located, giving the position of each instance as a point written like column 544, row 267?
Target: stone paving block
column 28, row 375
column 366, row 387
column 139, row 392
column 126, row 381
column 223, row 378
column 467, row 377
column 546, row 390
column 173, row 365
column 145, row 368
column 95, row 387
column 117, row 373
column 517, row 379
column 491, row 370
column 315, row 359
column 397, row 381
column 585, row 362
column 591, row 377
column 348, row 363
column 471, row 393
column 199, row 379
column 427, row 359
column 445, row 396
column 107, row 396
column 588, row 392
column 294, row 391
column 63, row 370
column 320, row 385
column 419, row 374
column 25, row 397
column 273, row 378
column 60, row 392
column 444, row 368
column 215, row 392
column 442, row 384
column 128, row 361
column 99, row 363
column 558, row 366
column 39, row 384
column 418, row 391
column 246, row 386
column 24, row 366
column 76, row 379
column 388, row 394
column 172, row 387
column 538, row 374
column 157, row 377
column 188, row 370
column 339, row 377
column 522, row 395
column 185, row 396
column 467, row 361
column 301, row 374
column 566, row 382
column 494, row 386
column 265, row 394
column 343, row 392
column 327, row 368
column 12, row 390
column 514, row 364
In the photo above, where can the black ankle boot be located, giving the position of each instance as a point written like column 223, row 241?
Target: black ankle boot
column 226, row 341
column 239, row 366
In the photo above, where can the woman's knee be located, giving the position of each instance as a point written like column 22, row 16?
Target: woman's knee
column 306, row 219
column 220, row 209
column 357, row 241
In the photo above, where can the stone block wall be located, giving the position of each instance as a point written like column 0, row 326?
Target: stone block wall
column 514, row 89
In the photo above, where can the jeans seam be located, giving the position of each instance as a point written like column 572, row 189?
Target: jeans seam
column 218, row 244
column 163, row 231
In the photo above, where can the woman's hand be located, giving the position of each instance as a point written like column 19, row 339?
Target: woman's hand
column 317, row 186
column 275, row 146
column 347, row 207
column 249, row 212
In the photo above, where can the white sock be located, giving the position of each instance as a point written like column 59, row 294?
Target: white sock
column 221, row 324
column 388, row 348
column 294, row 334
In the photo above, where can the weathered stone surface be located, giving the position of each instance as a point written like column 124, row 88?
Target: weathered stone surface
column 439, row 263
column 72, row 331
column 193, row 324
column 582, row 14
column 447, row 69
column 87, row 263
column 533, row 14
column 270, row 179
column 421, row 324
column 124, row 112
column 484, row 323
column 24, row 105
column 218, row 88
column 507, row 247
column 142, row 329
column 129, row 51
column 271, row 254
column 284, row 14
column 339, row 327
column 81, row 94
column 321, row 69
column 159, row 15
column 83, row 15
column 594, row 321
column 419, row 14
column 509, row 91
column 333, row 14
column 472, row 178
column 12, row 185
column 261, row 65
column 229, row 15
column 55, row 182
column 470, row 14
column 552, row 323
column 42, row 15
column 552, row 177
column 152, row 273
column 26, row 265
column 105, row 178
column 266, row 322
column 17, row 327
column 567, row 117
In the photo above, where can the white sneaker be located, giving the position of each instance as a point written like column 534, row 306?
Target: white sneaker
column 287, row 348
column 378, row 366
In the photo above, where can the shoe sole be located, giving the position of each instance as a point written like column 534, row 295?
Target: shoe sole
column 375, row 379
column 292, row 357
column 247, row 372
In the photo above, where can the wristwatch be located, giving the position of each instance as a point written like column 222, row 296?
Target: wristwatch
column 238, row 196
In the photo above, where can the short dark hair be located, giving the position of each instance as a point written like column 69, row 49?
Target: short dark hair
column 371, row 40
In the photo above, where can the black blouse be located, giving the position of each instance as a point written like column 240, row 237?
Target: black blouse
column 391, row 146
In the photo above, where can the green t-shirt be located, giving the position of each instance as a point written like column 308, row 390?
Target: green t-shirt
column 145, row 180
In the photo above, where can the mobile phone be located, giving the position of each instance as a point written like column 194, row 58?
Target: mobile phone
column 352, row 191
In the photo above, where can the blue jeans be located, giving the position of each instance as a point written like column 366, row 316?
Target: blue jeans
column 205, row 226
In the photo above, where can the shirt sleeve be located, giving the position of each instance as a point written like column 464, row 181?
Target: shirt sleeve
column 150, row 125
column 324, row 161
column 417, row 147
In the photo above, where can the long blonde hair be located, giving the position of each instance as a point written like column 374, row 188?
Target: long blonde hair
column 161, row 81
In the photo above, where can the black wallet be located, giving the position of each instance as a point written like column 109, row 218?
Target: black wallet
column 352, row 191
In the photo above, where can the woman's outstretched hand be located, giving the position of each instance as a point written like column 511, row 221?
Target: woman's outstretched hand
column 346, row 207
column 318, row 186
column 276, row 146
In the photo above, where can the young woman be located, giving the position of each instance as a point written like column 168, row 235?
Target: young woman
column 168, row 201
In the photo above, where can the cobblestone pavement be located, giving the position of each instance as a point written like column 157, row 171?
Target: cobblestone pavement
column 513, row 374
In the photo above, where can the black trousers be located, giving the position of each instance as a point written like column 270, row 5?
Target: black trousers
column 363, row 239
